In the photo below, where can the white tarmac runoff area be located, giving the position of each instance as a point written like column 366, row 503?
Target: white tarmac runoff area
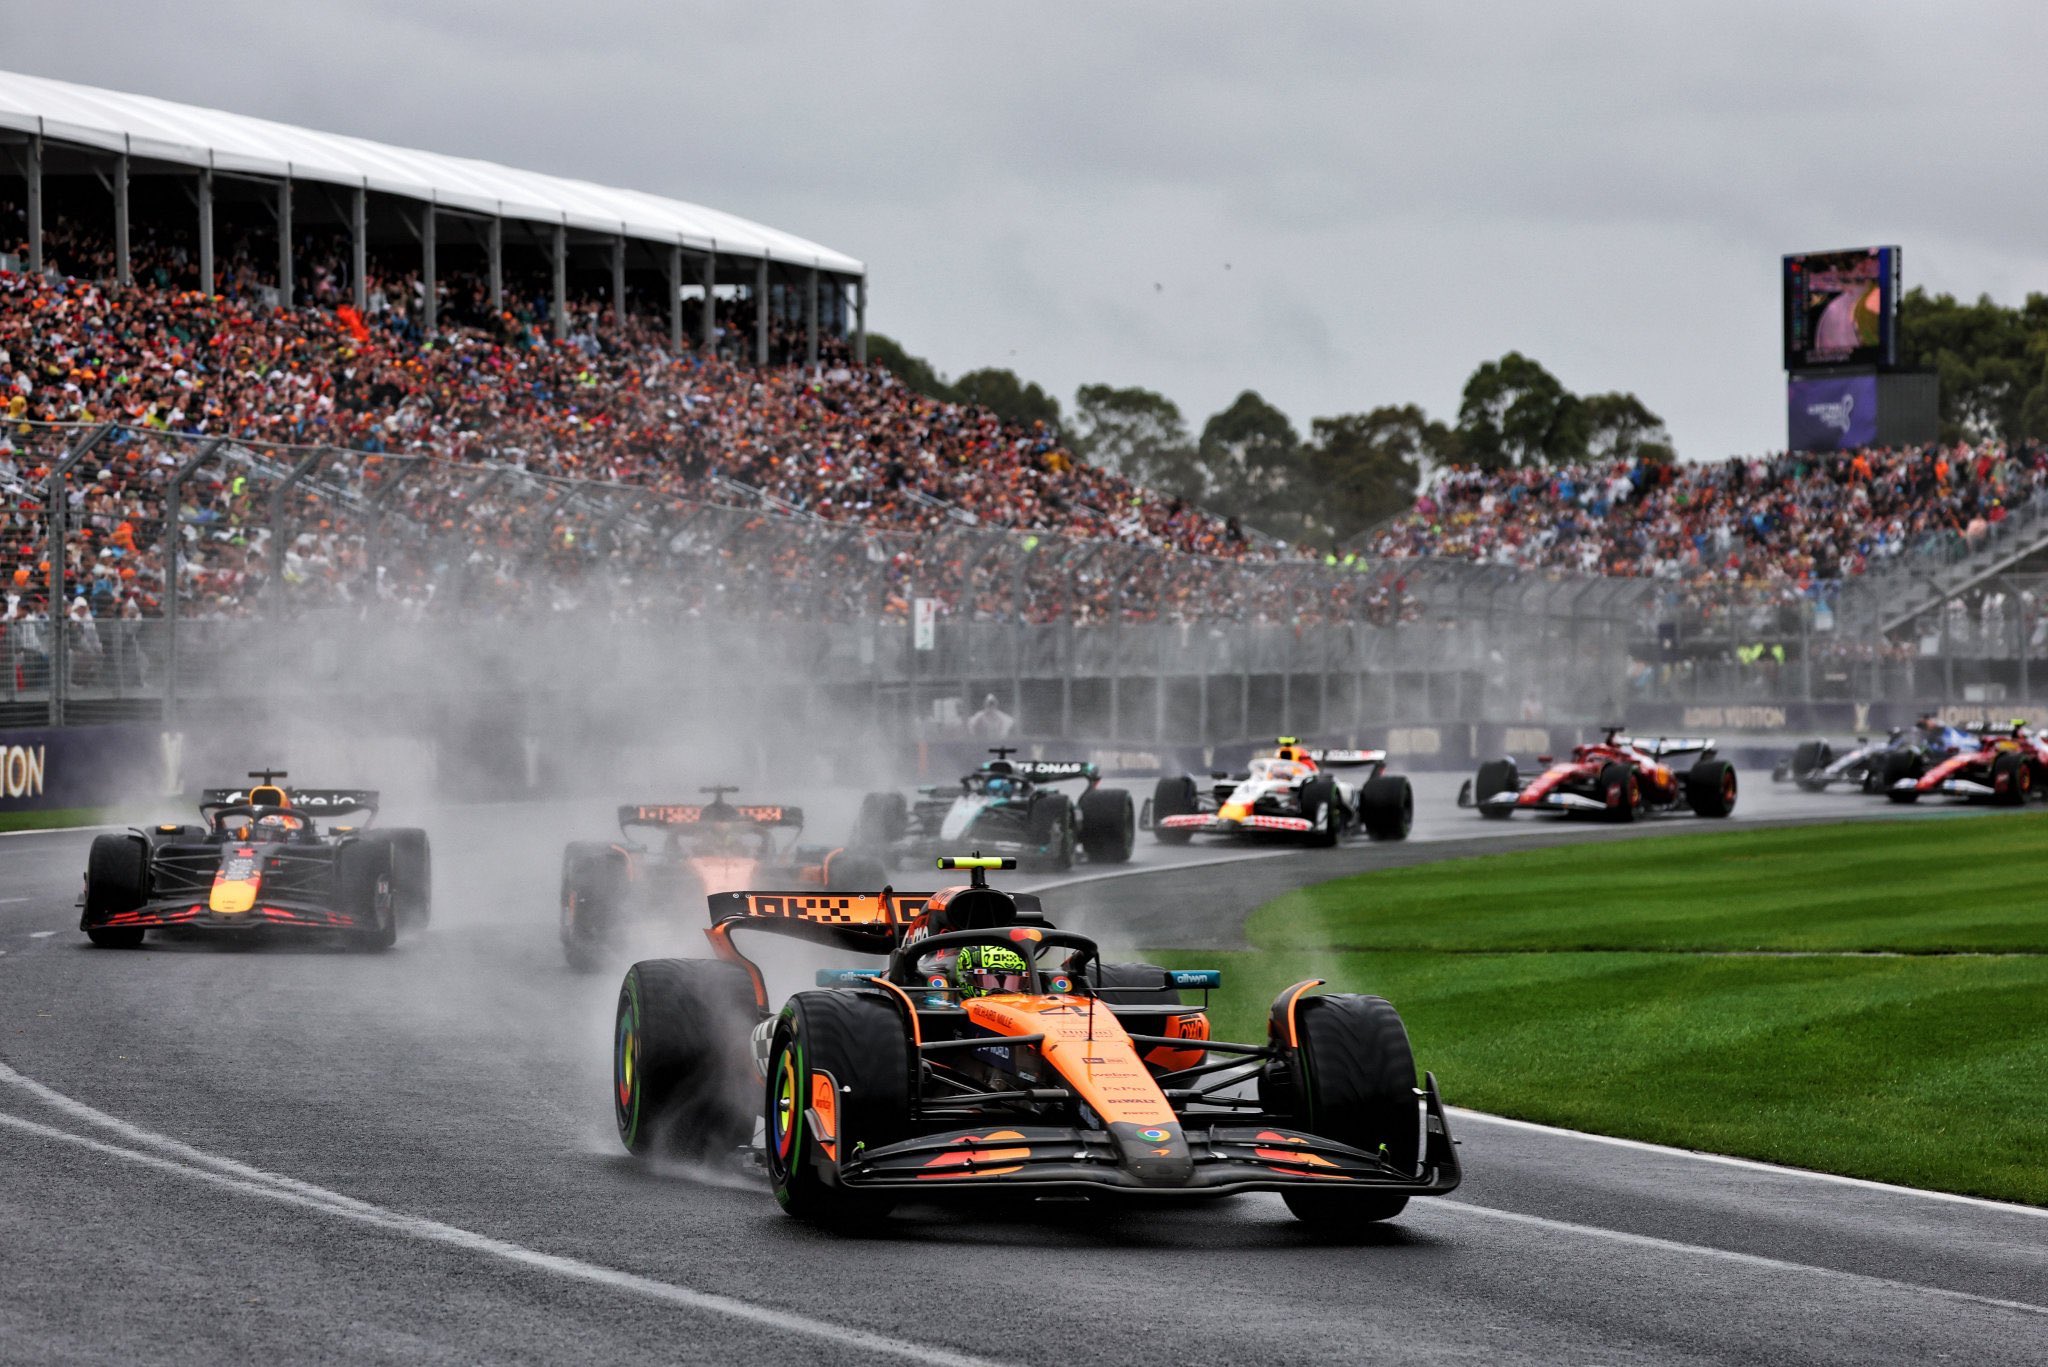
column 291, row 1153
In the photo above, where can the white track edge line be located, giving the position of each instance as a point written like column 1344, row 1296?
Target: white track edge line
column 1756, row 1260
column 433, row 1231
column 1755, row 1165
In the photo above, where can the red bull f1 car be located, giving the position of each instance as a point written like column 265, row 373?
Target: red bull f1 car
column 1013, row 807
column 1615, row 778
column 2005, row 767
column 1295, row 793
column 261, row 862
column 990, row 1052
column 669, row 856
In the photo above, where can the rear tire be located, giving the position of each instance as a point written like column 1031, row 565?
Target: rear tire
column 1051, row 832
column 412, row 873
column 1109, row 825
column 849, row 872
column 1710, row 787
column 1495, row 776
column 1386, row 807
column 884, row 819
column 683, row 1080
column 2018, row 779
column 1173, row 797
column 855, row 1048
column 592, row 880
column 116, row 880
column 1808, row 760
column 1319, row 805
column 363, row 889
column 1351, row 1078
column 1622, row 792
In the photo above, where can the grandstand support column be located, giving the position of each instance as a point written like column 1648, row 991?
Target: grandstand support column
column 675, row 297
column 32, row 168
column 619, row 280
column 710, row 319
column 761, row 312
column 359, row 248
column 284, row 243
column 206, row 230
column 860, row 319
column 811, row 318
column 124, row 273
column 174, row 526
column 430, row 280
column 561, row 283
column 494, row 249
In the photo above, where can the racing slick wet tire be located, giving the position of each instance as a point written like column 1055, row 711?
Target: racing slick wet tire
column 1051, row 833
column 116, row 879
column 1386, row 807
column 592, row 874
column 2012, row 780
column 1495, row 776
column 1173, row 797
column 683, row 1079
column 1807, row 761
column 852, row 1050
column 1350, row 1077
column 1903, row 764
column 1710, row 787
column 364, row 889
column 1621, row 790
column 412, row 873
column 884, row 819
column 1109, row 825
column 1319, row 803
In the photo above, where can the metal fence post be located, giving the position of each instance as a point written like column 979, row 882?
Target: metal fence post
column 173, row 545
column 277, row 497
column 55, row 490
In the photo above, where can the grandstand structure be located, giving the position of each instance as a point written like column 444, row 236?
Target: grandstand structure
column 115, row 155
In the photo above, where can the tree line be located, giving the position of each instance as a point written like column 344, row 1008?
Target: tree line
column 1348, row 472
column 1992, row 361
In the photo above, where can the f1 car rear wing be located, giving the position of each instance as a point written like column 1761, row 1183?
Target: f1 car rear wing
column 1674, row 745
column 1339, row 759
column 1052, row 770
column 701, row 813
column 311, row 801
column 865, row 923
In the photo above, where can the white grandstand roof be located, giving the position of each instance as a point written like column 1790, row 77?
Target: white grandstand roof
column 192, row 136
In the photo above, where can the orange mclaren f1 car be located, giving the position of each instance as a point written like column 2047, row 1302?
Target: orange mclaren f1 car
column 609, row 887
column 1050, row 1073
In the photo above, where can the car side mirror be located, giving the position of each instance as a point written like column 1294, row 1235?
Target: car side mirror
column 1546, row 759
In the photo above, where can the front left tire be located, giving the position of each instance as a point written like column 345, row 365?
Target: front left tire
column 839, row 1080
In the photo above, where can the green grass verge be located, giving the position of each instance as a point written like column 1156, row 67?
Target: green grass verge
column 1609, row 988
column 61, row 816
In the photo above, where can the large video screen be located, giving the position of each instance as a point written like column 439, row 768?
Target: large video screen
column 1842, row 309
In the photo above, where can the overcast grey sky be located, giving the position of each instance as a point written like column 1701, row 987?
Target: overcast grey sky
column 1338, row 204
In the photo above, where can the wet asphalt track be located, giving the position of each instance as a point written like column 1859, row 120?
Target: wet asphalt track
column 294, row 1154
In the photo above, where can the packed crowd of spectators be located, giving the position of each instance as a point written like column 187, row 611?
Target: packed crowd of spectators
column 1798, row 518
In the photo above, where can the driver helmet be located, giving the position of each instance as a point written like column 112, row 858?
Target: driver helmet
column 980, row 970
column 998, row 786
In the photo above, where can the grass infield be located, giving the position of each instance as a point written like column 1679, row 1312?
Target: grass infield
column 1869, row 998
column 53, row 819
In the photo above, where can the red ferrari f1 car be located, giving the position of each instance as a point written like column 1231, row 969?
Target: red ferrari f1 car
column 1616, row 778
column 991, row 1052
column 2007, row 766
